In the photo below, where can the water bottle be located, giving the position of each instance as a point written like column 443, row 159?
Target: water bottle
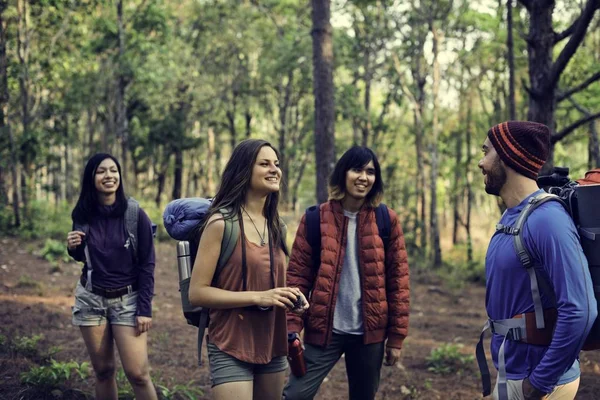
column 183, row 260
column 296, row 355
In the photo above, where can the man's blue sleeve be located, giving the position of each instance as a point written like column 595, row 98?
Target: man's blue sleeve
column 555, row 242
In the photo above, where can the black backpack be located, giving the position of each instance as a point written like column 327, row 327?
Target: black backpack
column 313, row 229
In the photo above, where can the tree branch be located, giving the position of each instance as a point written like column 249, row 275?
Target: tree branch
column 576, row 39
column 562, row 134
column 567, row 32
column 562, row 96
column 526, row 3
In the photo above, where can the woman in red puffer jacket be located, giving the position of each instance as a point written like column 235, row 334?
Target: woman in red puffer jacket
column 359, row 294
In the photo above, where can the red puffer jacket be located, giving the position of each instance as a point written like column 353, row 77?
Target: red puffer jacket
column 384, row 279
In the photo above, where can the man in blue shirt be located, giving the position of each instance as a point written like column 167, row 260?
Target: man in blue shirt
column 513, row 154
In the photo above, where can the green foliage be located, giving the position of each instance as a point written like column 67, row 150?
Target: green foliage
column 125, row 390
column 55, row 250
column 25, row 281
column 47, row 221
column 27, row 346
column 179, row 392
column 448, row 359
column 55, row 375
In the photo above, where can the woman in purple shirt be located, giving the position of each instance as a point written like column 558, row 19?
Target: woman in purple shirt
column 113, row 298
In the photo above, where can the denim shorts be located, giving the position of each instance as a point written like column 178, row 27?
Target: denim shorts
column 93, row 310
column 225, row 368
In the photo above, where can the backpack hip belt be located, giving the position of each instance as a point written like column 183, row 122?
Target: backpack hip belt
column 520, row 328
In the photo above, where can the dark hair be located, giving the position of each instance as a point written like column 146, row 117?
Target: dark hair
column 235, row 183
column 355, row 157
column 87, row 204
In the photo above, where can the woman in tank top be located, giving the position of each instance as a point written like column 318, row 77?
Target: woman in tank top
column 247, row 334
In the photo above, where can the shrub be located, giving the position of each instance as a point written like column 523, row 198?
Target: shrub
column 447, row 359
column 187, row 391
column 55, row 375
column 55, row 250
column 27, row 346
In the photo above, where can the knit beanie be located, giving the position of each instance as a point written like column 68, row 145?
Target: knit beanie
column 522, row 145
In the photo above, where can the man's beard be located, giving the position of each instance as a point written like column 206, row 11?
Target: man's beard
column 496, row 178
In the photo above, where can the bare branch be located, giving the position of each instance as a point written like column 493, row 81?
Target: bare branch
column 567, row 32
column 576, row 39
column 562, row 96
column 404, row 88
column 562, row 134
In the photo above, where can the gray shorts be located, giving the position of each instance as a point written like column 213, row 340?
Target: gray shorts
column 93, row 310
column 225, row 368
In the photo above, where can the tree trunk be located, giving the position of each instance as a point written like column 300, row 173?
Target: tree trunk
column 91, row 127
column 121, row 106
column 4, row 124
column 178, row 174
column 23, row 54
column 296, row 184
column 366, row 127
column 210, row 163
column 248, row 117
column 539, row 46
column 511, row 61
column 324, row 95
column 593, row 147
column 163, row 165
column 457, row 180
column 544, row 74
column 434, row 226
column 469, row 179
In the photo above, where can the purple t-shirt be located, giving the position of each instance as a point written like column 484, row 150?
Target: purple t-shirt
column 113, row 259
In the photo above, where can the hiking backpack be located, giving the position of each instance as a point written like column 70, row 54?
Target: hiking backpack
column 579, row 198
column 313, row 229
column 182, row 218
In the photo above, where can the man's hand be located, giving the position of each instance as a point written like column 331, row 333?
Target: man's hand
column 392, row 356
column 530, row 392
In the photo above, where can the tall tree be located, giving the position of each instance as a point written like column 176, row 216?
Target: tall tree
column 323, row 90
column 545, row 73
column 435, row 128
column 4, row 124
column 120, row 103
column 510, row 52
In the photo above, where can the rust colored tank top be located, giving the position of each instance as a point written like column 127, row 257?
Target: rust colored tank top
column 250, row 335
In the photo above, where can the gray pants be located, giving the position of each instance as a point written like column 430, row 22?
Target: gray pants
column 363, row 367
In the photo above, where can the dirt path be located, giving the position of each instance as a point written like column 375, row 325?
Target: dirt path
column 35, row 299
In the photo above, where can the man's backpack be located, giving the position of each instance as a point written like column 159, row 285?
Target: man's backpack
column 182, row 218
column 579, row 198
column 313, row 229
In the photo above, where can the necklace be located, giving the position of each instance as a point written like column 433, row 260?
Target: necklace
column 262, row 237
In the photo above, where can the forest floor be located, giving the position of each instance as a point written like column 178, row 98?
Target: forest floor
column 36, row 298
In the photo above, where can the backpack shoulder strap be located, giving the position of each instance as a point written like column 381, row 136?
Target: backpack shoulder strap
column 284, row 245
column 384, row 224
column 131, row 223
column 230, row 237
column 525, row 256
column 313, row 233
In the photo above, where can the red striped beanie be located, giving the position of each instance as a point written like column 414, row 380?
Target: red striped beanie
column 522, row 145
